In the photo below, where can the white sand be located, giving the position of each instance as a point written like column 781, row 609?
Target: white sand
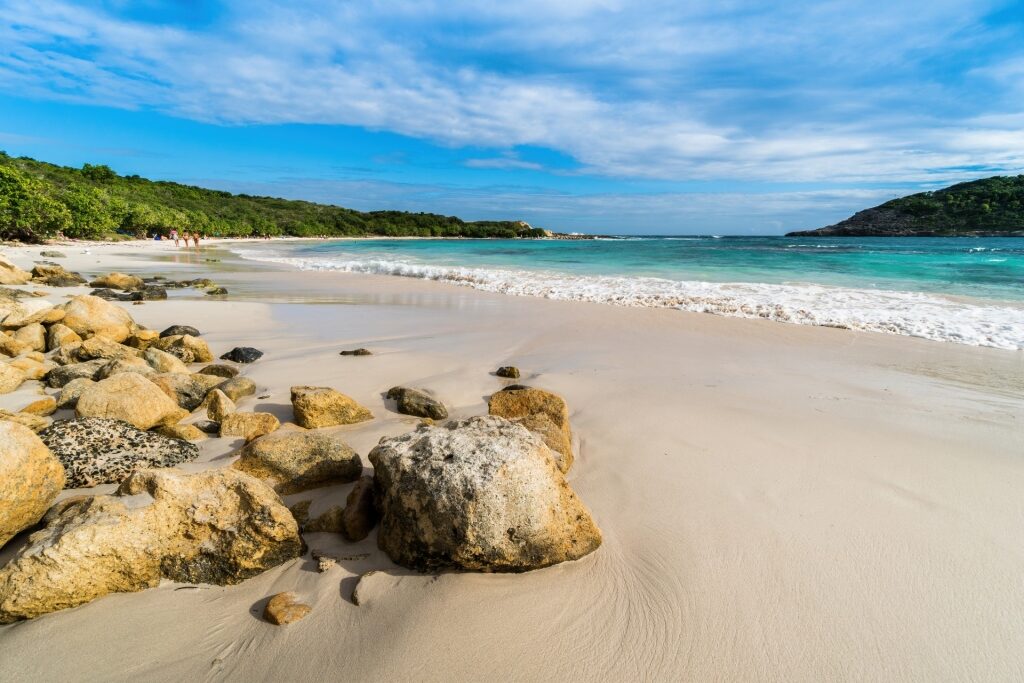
column 779, row 502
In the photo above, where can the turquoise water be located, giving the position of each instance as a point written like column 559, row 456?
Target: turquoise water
column 952, row 289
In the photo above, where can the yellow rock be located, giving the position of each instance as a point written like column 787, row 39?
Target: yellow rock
column 30, row 479
column 44, row 406
column 129, row 397
column 92, row 316
column 543, row 413
column 316, row 407
column 285, row 608
column 248, row 425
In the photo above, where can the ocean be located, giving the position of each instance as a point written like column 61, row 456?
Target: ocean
column 964, row 290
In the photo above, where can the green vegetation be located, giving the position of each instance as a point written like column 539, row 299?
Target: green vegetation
column 39, row 200
column 991, row 206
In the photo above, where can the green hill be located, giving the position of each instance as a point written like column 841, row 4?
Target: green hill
column 988, row 207
column 39, row 200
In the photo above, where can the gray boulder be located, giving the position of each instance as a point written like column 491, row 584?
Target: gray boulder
column 98, row 450
column 417, row 403
column 481, row 494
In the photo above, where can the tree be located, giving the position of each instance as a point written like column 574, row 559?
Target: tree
column 26, row 212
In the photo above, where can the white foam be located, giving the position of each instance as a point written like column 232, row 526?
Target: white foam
column 914, row 314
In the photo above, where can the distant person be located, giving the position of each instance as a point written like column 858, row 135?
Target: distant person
column 174, row 236
column 195, row 238
column 186, row 237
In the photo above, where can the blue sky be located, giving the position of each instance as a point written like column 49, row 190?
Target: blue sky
column 605, row 116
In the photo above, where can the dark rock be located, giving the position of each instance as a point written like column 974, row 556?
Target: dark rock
column 207, row 426
column 360, row 515
column 108, row 294
column 187, row 390
column 59, row 376
column 356, row 352
column 177, row 330
column 52, row 254
column 243, row 354
column 216, row 291
column 515, row 387
column 508, row 371
column 98, row 450
column 220, row 370
column 54, row 275
column 145, row 293
column 417, row 403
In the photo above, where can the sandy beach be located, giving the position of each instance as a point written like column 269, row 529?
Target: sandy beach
column 778, row 502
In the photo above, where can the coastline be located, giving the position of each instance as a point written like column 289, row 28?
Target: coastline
column 778, row 501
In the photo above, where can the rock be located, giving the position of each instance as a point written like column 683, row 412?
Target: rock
column 44, row 406
column 285, row 608
column 364, row 579
column 97, row 450
column 24, row 312
column 54, row 275
column 60, row 335
column 324, row 407
column 331, row 521
column 360, row 515
column 90, row 316
column 121, row 365
column 32, row 368
column 100, row 347
column 105, row 294
column 161, row 361
column 142, row 339
column 188, row 391
column 543, row 413
column 300, row 511
column 60, row 376
column 144, row 293
column 356, row 352
column 186, row 348
column 33, row 336
column 248, row 425
column 219, row 370
column 118, row 281
column 180, row 330
column 52, row 254
column 218, row 405
column 129, row 397
column 481, row 494
column 243, row 354
column 219, row 527
column 182, row 431
column 508, row 371
column 207, row 426
column 9, row 346
column 216, row 291
column 72, row 391
column 33, row 422
column 237, row 387
column 324, row 562
column 11, row 274
column 10, row 378
column 30, row 479
column 291, row 460
column 417, row 403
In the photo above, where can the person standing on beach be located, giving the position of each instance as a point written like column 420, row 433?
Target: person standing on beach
column 174, row 236
column 185, row 236
column 195, row 238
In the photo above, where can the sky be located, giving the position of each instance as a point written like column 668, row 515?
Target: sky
column 724, row 117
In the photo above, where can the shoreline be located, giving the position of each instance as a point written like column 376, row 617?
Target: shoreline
column 759, row 486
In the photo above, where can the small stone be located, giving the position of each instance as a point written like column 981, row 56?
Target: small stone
column 243, row 354
column 508, row 371
column 220, row 370
column 216, row 291
column 356, row 352
column 179, row 330
column 417, row 403
column 184, row 432
column 248, row 425
column 218, row 405
column 207, row 426
column 356, row 600
column 324, row 562
column 285, row 608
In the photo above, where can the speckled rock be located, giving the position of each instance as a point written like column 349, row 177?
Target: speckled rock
column 219, row 527
column 324, row 407
column 417, row 403
column 285, row 608
column 248, row 425
column 129, row 397
column 293, row 460
column 91, row 316
column 30, row 479
column 481, row 494
column 97, row 450
column 543, row 413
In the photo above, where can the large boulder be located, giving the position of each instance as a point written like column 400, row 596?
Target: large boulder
column 118, row 281
column 141, row 339
column 24, row 312
column 218, row 527
column 96, row 450
column 188, row 391
column 11, row 274
column 417, row 403
column 91, row 316
column 100, row 347
column 121, row 365
column 238, row 387
column 33, row 422
column 293, row 460
column 10, row 378
column 30, row 479
column 55, row 275
column 32, row 335
column 325, row 407
column 185, row 347
column 543, row 413
column 481, row 494
column 129, row 397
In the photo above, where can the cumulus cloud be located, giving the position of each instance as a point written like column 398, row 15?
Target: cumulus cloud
column 798, row 92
